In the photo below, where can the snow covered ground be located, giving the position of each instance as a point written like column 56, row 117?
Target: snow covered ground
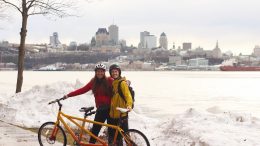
column 193, row 127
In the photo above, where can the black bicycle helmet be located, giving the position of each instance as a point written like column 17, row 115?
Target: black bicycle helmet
column 115, row 66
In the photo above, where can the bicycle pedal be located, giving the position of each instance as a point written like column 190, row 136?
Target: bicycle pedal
column 76, row 144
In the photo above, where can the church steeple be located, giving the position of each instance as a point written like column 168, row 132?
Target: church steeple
column 217, row 45
column 217, row 52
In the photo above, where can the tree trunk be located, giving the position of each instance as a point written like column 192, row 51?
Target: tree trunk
column 21, row 56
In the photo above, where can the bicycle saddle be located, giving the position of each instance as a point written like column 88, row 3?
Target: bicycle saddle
column 86, row 109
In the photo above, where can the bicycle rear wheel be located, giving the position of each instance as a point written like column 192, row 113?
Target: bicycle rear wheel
column 137, row 138
column 46, row 136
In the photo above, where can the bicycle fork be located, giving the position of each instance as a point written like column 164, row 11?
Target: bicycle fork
column 55, row 129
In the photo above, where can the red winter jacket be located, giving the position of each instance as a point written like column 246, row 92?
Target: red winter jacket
column 100, row 97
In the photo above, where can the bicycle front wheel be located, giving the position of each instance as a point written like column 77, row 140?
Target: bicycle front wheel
column 136, row 138
column 51, row 135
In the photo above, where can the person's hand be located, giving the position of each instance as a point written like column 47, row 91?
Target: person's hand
column 65, row 97
column 129, row 108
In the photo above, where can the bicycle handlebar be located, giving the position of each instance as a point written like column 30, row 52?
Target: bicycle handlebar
column 56, row 100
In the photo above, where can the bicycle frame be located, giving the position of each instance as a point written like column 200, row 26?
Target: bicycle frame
column 78, row 140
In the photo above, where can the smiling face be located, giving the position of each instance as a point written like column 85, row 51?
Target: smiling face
column 100, row 73
column 115, row 73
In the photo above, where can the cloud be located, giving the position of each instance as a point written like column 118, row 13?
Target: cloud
column 201, row 22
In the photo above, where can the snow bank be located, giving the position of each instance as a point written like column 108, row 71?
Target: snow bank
column 30, row 108
column 195, row 128
column 212, row 127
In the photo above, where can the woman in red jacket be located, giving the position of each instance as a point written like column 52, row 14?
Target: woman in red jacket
column 101, row 87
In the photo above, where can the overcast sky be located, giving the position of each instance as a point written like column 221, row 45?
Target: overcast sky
column 234, row 23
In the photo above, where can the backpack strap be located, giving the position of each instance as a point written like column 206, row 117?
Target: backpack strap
column 119, row 90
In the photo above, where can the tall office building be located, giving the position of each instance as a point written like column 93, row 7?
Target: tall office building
column 102, row 37
column 150, row 41
column 142, row 35
column 163, row 41
column 113, row 34
column 256, row 51
column 186, row 46
column 54, row 40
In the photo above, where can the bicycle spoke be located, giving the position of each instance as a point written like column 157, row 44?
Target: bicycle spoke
column 50, row 135
column 136, row 138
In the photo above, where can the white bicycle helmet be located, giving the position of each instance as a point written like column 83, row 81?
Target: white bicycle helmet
column 100, row 66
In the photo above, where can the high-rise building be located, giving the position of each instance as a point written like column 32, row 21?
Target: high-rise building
column 113, row 34
column 54, row 40
column 142, row 35
column 256, row 51
column 186, row 46
column 55, row 44
column 102, row 37
column 150, row 41
column 163, row 41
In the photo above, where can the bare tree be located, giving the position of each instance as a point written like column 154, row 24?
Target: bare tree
column 27, row 8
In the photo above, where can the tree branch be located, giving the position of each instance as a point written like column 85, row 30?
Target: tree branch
column 30, row 2
column 50, row 7
column 7, row 2
column 38, row 13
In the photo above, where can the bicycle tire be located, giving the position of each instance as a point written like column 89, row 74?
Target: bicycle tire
column 45, row 131
column 137, row 138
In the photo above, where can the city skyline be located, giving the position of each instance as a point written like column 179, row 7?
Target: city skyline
column 233, row 23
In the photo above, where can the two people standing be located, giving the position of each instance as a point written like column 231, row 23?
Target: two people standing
column 107, row 98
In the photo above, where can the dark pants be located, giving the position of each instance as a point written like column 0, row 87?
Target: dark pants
column 123, row 125
column 102, row 114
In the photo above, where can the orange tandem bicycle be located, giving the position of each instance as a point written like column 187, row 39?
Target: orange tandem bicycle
column 53, row 134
